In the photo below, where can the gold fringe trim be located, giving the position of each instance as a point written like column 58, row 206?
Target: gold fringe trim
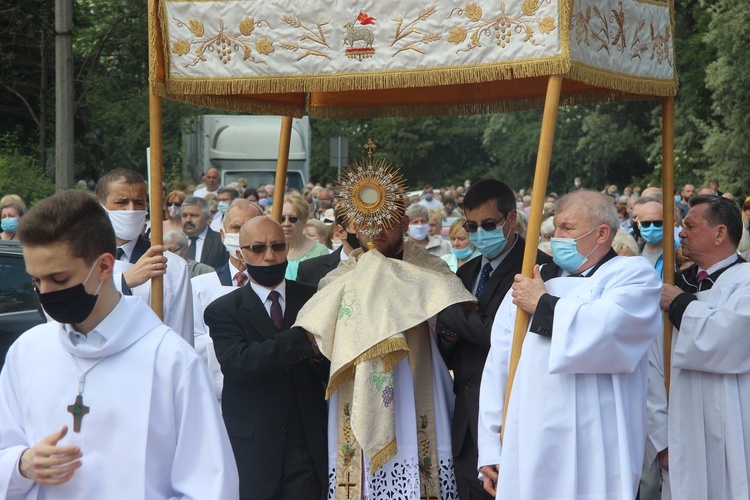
column 369, row 81
column 625, row 83
column 380, row 458
column 393, row 349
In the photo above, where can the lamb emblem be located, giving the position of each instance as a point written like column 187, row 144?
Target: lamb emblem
column 358, row 33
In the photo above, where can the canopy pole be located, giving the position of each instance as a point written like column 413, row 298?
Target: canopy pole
column 667, row 118
column 155, row 170
column 281, row 167
column 543, row 157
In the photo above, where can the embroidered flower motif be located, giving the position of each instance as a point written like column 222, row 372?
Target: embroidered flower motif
column 181, row 47
column 196, row 27
column 547, row 25
column 530, row 7
column 247, row 26
column 387, row 396
column 457, row 35
column 264, row 46
column 473, row 12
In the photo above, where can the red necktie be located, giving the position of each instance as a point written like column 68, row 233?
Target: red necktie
column 240, row 278
column 276, row 315
column 702, row 275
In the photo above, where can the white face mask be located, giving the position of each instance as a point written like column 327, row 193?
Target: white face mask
column 128, row 224
column 336, row 244
column 174, row 212
column 418, row 231
column 232, row 243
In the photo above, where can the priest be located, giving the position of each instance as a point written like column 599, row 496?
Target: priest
column 390, row 393
column 708, row 421
column 575, row 423
column 105, row 401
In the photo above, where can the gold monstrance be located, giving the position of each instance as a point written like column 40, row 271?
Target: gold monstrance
column 372, row 194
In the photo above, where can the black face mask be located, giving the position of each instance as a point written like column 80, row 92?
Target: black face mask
column 70, row 305
column 352, row 240
column 267, row 276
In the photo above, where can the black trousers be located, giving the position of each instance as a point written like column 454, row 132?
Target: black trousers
column 465, row 466
column 299, row 481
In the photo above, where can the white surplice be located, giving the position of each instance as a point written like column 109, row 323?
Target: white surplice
column 154, row 430
column 577, row 414
column 709, row 398
column 178, row 296
column 656, row 412
column 399, row 477
column 206, row 289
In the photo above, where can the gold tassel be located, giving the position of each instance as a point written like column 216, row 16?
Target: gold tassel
column 380, row 458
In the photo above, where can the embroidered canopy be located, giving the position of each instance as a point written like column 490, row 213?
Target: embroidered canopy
column 331, row 58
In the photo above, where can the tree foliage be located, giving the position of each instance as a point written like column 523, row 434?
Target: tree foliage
column 615, row 143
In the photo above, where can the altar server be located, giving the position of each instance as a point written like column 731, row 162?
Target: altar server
column 105, row 401
column 575, row 427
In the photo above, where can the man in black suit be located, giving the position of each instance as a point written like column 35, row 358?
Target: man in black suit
column 205, row 243
column 273, row 396
column 490, row 210
column 311, row 271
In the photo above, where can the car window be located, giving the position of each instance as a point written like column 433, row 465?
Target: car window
column 16, row 289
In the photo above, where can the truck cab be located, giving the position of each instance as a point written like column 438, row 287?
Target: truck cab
column 246, row 146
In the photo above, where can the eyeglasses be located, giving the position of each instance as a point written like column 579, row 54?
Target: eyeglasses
column 174, row 203
column 291, row 218
column 647, row 223
column 488, row 225
column 262, row 247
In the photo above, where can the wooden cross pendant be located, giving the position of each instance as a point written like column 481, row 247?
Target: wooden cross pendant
column 348, row 485
column 78, row 410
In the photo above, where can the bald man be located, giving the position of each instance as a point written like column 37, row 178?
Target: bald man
column 273, row 399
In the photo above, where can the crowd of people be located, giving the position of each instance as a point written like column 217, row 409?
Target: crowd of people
column 263, row 321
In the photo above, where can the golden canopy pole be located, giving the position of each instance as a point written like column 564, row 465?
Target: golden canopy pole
column 667, row 125
column 543, row 156
column 281, row 167
column 155, row 130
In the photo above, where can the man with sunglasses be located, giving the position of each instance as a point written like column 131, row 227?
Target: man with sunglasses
column 490, row 209
column 273, row 402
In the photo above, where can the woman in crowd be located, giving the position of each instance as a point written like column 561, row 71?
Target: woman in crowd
column 317, row 230
column 174, row 208
column 11, row 213
column 462, row 251
column 294, row 216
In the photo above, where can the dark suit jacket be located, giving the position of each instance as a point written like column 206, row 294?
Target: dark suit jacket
column 263, row 370
column 467, row 355
column 213, row 254
column 225, row 278
column 311, row 271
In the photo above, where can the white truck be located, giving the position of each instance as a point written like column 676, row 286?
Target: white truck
column 245, row 146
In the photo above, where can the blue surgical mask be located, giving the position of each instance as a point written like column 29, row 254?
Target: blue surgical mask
column 652, row 234
column 462, row 253
column 223, row 206
column 418, row 231
column 489, row 243
column 10, row 224
column 677, row 198
column 565, row 252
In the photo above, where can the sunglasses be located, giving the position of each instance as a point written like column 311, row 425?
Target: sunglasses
column 292, row 219
column 489, row 225
column 647, row 223
column 174, row 203
column 262, row 247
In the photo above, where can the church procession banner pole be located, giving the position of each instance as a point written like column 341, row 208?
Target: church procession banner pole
column 667, row 125
column 155, row 168
column 543, row 157
column 282, row 162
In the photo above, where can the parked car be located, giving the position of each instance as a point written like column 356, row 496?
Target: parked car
column 19, row 306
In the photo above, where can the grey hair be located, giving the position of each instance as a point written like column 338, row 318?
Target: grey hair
column 416, row 210
column 599, row 209
column 197, row 201
column 177, row 237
